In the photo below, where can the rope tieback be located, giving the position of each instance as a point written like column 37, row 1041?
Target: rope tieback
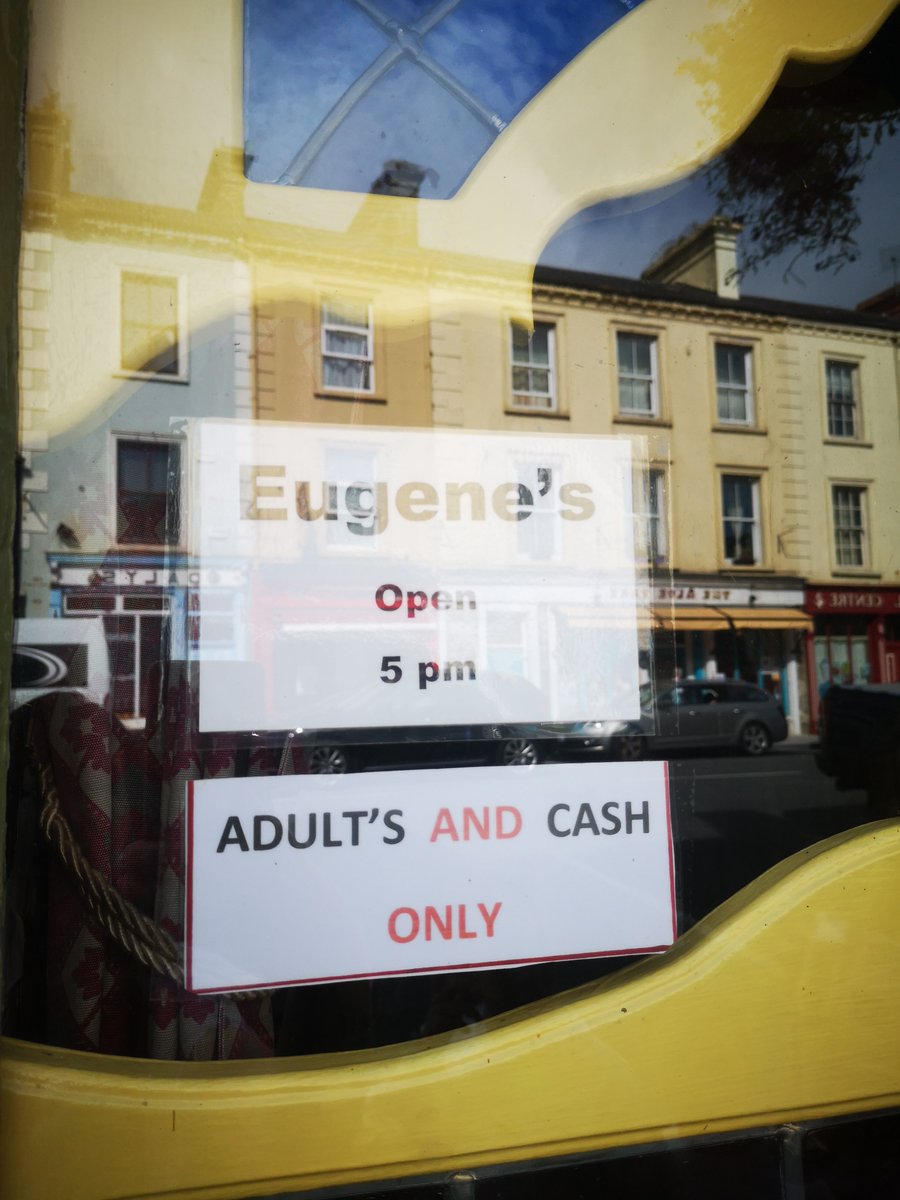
column 135, row 932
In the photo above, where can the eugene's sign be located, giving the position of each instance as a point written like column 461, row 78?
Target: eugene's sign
column 394, row 873
column 411, row 578
column 366, row 507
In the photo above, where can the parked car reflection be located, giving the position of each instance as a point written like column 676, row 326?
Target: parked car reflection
column 698, row 714
column 695, row 714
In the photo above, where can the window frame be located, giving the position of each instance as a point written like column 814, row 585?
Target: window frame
column 325, row 327
column 861, row 490
column 551, row 324
column 853, row 365
column 653, row 337
column 758, row 541
column 643, row 477
column 749, row 420
column 119, row 437
column 182, row 355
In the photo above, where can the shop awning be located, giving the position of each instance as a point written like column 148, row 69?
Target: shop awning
column 770, row 618
column 688, row 619
column 691, row 619
column 698, row 617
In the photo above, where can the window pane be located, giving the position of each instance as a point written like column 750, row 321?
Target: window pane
column 841, row 387
column 345, row 312
column 733, row 382
column 741, row 534
column 147, row 482
column 149, row 324
column 347, row 374
column 849, row 534
column 339, row 342
column 532, row 384
column 636, row 372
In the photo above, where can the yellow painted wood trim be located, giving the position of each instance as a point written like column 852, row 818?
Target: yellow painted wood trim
column 779, row 1006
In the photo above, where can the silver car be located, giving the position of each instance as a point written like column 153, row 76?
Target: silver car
column 701, row 714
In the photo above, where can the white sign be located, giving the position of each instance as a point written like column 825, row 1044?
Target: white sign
column 303, row 879
column 398, row 578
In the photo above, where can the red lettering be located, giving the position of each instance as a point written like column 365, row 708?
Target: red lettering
column 432, row 918
column 444, row 825
column 463, row 931
column 482, row 827
column 490, row 917
column 516, row 827
column 395, row 935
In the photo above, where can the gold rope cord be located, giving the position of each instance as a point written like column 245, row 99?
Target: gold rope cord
column 136, row 933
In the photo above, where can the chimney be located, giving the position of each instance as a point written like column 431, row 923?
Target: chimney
column 704, row 257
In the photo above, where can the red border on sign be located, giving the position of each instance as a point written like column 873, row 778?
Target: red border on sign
column 479, row 966
column 438, row 970
column 671, row 852
column 189, row 889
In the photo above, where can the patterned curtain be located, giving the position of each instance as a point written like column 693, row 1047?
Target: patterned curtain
column 98, row 829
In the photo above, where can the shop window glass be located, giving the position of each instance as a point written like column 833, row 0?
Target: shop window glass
column 155, row 609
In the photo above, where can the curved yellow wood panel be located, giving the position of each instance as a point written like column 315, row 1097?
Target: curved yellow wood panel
column 779, row 1006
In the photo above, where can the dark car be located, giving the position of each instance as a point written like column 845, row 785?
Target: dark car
column 859, row 742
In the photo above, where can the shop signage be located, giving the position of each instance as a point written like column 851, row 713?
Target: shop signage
column 404, row 578
column 302, row 879
column 143, row 577
column 866, row 601
column 686, row 592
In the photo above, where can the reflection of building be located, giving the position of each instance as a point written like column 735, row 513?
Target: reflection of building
column 112, row 371
column 772, row 433
column 856, row 635
column 766, row 431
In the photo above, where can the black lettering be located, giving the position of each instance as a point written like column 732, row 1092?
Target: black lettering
column 460, row 668
column 608, row 814
column 310, row 829
column 644, row 817
column 585, row 820
column 394, row 827
column 277, row 831
column 354, row 818
column 326, row 832
column 551, row 824
column 232, row 835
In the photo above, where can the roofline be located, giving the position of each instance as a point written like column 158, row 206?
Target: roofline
column 679, row 293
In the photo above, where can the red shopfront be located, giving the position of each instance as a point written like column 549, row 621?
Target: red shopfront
column 855, row 638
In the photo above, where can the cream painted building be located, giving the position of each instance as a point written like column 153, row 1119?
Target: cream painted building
column 765, row 433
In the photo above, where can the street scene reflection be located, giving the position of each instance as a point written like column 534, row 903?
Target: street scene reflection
column 674, row 441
